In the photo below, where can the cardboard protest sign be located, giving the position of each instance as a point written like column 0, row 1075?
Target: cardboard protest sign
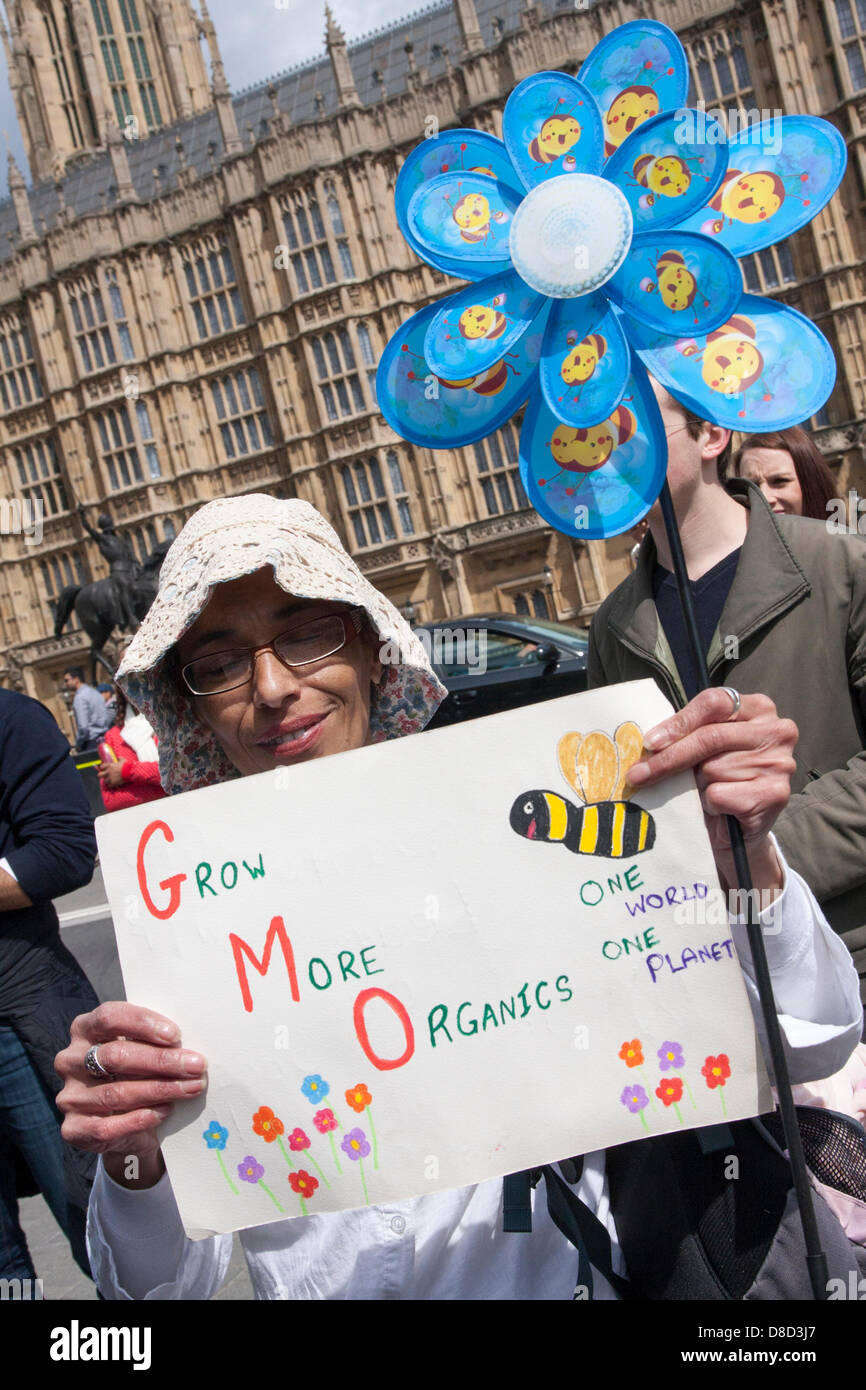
column 434, row 961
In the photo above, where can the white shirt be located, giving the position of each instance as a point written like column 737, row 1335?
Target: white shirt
column 451, row 1245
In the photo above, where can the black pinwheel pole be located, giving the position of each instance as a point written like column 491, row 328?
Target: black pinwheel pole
column 816, row 1260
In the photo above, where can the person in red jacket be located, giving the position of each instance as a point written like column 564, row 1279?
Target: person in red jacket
column 129, row 771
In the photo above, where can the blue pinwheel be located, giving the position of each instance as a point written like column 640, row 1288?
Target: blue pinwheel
column 600, row 237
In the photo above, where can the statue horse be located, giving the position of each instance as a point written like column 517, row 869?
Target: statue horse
column 98, row 608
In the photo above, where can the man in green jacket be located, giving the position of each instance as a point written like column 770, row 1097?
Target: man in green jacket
column 781, row 606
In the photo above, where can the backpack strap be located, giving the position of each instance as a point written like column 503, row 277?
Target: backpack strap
column 577, row 1223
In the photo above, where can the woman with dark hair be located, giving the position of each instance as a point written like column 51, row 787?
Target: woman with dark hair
column 790, row 470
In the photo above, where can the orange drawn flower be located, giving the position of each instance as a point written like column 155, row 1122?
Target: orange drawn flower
column 266, row 1124
column 359, row 1098
column 632, row 1053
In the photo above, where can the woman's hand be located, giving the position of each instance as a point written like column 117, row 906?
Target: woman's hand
column 743, row 768
column 117, row 1115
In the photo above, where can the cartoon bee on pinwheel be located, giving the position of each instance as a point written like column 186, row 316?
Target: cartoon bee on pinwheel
column 596, row 768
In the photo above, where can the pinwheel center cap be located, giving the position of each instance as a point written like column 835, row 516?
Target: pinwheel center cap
column 570, row 235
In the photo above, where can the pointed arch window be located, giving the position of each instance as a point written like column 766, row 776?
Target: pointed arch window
column 19, row 378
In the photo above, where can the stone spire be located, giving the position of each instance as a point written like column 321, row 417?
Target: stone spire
column 221, row 94
column 177, row 77
column 87, row 51
column 469, row 27
column 18, row 190
column 335, row 42
column 119, row 161
column 26, row 105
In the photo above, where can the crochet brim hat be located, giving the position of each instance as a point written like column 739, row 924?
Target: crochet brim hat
column 223, row 541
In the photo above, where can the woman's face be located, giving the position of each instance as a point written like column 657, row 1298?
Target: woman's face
column 282, row 715
column 774, row 473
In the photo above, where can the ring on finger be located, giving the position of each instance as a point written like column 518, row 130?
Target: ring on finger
column 735, row 696
column 94, row 1066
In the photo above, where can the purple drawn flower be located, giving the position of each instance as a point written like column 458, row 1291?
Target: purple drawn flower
column 250, row 1170
column 634, row 1098
column 355, row 1145
column 670, row 1056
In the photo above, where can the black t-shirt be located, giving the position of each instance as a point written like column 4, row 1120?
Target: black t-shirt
column 709, row 594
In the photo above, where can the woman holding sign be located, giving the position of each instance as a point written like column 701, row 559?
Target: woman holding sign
column 266, row 647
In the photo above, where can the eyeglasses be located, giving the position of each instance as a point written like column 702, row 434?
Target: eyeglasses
column 668, row 433
column 300, row 646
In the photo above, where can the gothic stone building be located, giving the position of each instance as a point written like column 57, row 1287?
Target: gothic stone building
column 196, row 289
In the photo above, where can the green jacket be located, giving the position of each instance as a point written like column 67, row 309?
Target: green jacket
column 797, row 609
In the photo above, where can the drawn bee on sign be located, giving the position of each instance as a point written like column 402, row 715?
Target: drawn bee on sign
column 596, row 768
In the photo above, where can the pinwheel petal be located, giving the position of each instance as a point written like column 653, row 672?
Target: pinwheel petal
column 585, row 361
column 471, row 150
column 764, row 369
column 669, row 167
column 476, row 327
column 551, row 125
column 465, row 217
column 597, row 482
column 677, row 282
column 440, row 414
column 780, row 174
column 637, row 70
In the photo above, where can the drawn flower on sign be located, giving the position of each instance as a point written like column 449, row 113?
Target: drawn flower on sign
column 356, row 1148
column 671, row 1056
column 325, row 1121
column 716, row 1070
column 266, row 1124
column 314, row 1088
column 632, row 1053
column 358, row 1098
column 355, row 1145
column 303, row 1183
column 250, row 1170
column 634, row 1098
column 215, row 1135
column 298, row 1140
column 670, row 1091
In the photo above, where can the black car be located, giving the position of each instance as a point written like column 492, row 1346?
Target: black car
column 496, row 661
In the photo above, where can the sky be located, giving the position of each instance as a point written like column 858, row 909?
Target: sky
column 258, row 38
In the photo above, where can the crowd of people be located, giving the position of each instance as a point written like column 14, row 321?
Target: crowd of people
column 271, row 658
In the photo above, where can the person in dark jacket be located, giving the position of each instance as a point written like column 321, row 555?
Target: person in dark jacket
column 781, row 608
column 47, row 848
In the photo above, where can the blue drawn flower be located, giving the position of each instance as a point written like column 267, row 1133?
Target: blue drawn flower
column 215, row 1136
column 600, row 237
column 315, row 1089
